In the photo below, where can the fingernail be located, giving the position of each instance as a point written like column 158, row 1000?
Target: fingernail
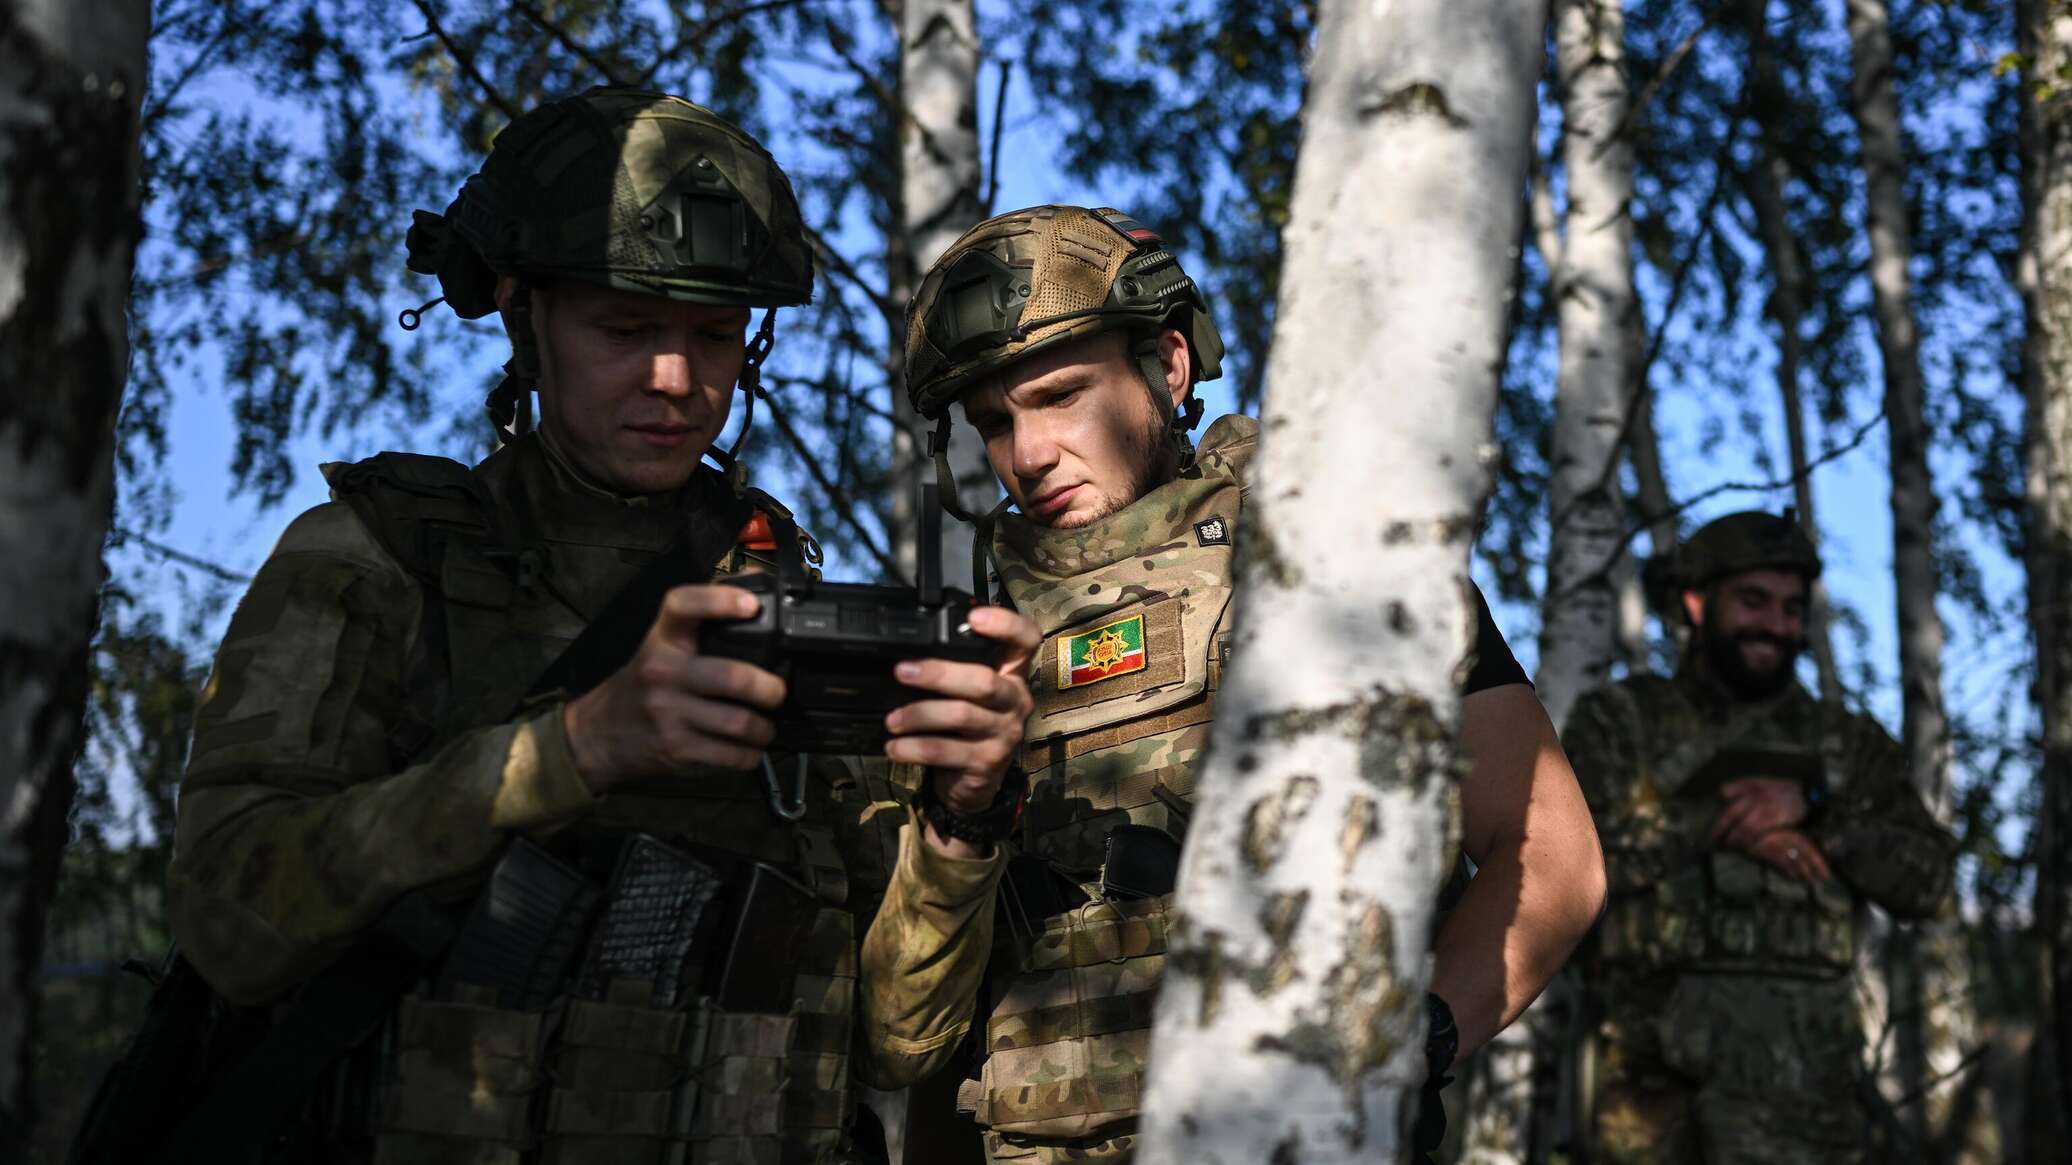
column 907, row 669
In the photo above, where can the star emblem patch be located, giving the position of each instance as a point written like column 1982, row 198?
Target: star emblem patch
column 1110, row 650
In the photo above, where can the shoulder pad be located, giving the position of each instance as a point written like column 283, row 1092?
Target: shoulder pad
column 405, row 498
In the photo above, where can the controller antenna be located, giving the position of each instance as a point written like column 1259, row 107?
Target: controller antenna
column 928, row 547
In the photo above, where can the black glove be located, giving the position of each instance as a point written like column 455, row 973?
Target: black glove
column 1442, row 1040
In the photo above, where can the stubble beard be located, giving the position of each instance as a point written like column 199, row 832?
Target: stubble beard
column 1151, row 459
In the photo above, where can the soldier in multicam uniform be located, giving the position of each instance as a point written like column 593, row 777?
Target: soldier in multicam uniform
column 1744, row 823
column 375, row 727
column 1073, row 341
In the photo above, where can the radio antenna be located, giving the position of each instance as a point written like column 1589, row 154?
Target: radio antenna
column 928, row 547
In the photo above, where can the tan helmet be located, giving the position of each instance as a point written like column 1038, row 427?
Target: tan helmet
column 1030, row 279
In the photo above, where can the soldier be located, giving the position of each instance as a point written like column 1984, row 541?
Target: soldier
column 1073, row 341
column 383, row 727
column 1744, row 823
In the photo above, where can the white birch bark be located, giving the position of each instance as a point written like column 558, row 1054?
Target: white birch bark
column 1579, row 628
column 71, row 76
column 2045, row 28
column 1931, row 983
column 1290, row 1023
column 939, row 200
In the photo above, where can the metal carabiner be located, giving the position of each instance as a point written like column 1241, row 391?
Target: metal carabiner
column 797, row 808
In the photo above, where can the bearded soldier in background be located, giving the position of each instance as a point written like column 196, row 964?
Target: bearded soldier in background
column 1744, row 823
column 1073, row 341
column 397, row 710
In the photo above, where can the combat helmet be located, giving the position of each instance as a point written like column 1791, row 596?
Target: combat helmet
column 623, row 188
column 1752, row 540
column 1033, row 279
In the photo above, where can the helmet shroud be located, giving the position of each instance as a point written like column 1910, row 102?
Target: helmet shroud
column 621, row 188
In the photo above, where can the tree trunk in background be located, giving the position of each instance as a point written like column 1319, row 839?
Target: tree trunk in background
column 73, row 75
column 1768, row 180
column 2045, row 28
column 1930, row 980
column 1586, row 526
column 1289, row 1025
column 939, row 200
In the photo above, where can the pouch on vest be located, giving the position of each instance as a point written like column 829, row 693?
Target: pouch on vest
column 1074, row 1012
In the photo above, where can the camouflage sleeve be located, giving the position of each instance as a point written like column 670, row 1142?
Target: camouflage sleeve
column 1878, row 835
column 294, row 834
column 924, row 957
column 1602, row 740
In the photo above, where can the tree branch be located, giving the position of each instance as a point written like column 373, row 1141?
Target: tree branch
column 705, row 28
column 119, row 536
column 463, row 61
column 567, row 40
column 1833, row 453
column 844, row 507
column 1669, row 65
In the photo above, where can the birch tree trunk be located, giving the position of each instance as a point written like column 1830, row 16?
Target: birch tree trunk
column 939, row 200
column 1579, row 629
column 1768, row 179
column 73, row 75
column 2045, row 27
column 1930, row 982
column 1290, row 1023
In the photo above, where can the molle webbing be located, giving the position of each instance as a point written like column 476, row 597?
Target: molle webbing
column 1115, row 930
column 1044, row 753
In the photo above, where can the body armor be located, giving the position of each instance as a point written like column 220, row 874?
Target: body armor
column 515, row 563
column 1135, row 611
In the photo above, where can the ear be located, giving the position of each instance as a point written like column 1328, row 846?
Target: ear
column 506, row 285
column 1694, row 607
column 1178, row 361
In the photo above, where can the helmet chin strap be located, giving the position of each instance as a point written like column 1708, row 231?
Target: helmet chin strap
column 750, row 383
column 510, row 413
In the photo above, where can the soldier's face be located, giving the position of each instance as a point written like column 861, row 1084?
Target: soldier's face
column 1072, row 432
column 635, row 388
column 1752, row 627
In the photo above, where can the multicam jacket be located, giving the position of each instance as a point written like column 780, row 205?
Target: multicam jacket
column 357, row 742
column 1652, row 753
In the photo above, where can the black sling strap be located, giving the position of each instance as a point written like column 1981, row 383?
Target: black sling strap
column 611, row 639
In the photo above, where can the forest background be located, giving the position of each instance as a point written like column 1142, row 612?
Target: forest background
column 285, row 145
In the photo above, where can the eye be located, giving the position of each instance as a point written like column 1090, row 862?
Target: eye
column 1067, row 397
column 720, row 335
column 990, row 427
column 623, row 331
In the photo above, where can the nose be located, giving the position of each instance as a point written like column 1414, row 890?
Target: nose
column 1035, row 449
column 670, row 372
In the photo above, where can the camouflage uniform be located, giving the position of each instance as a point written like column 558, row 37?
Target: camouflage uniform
column 370, row 730
column 1066, row 1042
column 1728, row 1026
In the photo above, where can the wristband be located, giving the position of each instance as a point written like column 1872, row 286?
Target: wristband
column 1816, row 802
column 994, row 823
column 1442, row 1038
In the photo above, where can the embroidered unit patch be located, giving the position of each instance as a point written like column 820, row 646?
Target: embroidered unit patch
column 1212, row 532
column 1113, row 649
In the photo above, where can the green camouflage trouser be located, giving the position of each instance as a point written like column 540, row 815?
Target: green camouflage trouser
column 1729, row 1070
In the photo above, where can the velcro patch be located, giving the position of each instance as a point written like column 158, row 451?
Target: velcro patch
column 1110, row 650
column 1212, row 532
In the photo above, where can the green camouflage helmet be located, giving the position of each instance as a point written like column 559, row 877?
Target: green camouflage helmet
column 627, row 189
column 1754, row 540
column 1025, row 281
